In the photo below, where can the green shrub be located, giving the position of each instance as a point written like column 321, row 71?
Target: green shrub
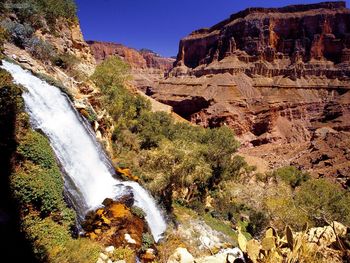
column 137, row 211
column 291, row 175
column 324, row 201
column 18, row 33
column 52, row 242
column 65, row 61
column 152, row 128
column 36, row 148
column 40, row 49
column 126, row 254
column 51, row 10
column 38, row 187
column 172, row 166
column 123, row 106
column 147, row 241
column 110, row 75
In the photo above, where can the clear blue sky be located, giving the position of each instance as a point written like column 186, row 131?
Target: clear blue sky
column 159, row 24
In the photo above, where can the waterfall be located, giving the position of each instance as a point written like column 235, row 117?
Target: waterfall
column 88, row 173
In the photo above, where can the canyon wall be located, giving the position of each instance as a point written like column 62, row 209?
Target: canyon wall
column 147, row 66
column 275, row 76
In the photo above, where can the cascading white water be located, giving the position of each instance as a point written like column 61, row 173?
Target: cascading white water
column 88, row 175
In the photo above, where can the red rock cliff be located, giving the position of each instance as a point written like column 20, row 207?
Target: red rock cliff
column 274, row 76
column 147, row 66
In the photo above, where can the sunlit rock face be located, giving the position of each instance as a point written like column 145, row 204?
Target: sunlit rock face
column 272, row 75
column 147, row 67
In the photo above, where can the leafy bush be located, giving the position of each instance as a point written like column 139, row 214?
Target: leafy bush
column 282, row 209
column 52, row 242
column 126, row 254
column 124, row 107
column 147, row 241
column 65, row 61
column 137, row 211
column 152, row 128
column 19, row 34
column 40, row 49
column 38, row 187
column 324, row 202
column 51, row 10
column 172, row 166
column 111, row 75
column 36, row 148
column 291, row 175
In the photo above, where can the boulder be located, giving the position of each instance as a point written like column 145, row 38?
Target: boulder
column 325, row 236
column 114, row 225
column 181, row 255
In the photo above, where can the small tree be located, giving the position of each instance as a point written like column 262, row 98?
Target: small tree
column 324, row 201
column 173, row 166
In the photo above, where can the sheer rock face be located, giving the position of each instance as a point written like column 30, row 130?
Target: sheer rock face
column 147, row 66
column 272, row 75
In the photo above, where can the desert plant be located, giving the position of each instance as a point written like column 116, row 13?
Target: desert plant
column 147, row 241
column 40, row 49
column 18, row 33
column 323, row 202
column 137, row 211
column 291, row 175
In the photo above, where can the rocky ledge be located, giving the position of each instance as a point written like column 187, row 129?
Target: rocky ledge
column 274, row 76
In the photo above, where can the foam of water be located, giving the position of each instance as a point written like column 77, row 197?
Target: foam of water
column 88, row 177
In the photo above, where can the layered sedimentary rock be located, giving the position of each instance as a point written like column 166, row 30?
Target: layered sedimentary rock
column 147, row 66
column 272, row 75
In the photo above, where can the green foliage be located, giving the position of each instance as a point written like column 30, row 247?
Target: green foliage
column 111, row 75
column 38, row 187
column 126, row 254
column 18, row 33
column 291, row 175
column 220, row 225
column 65, row 61
column 52, row 242
column 282, row 209
column 36, row 148
column 51, row 10
column 124, row 107
column 152, row 128
column 137, row 211
column 147, row 241
column 324, row 202
column 40, row 49
column 175, row 165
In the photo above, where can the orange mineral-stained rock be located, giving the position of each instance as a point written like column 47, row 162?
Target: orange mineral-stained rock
column 115, row 225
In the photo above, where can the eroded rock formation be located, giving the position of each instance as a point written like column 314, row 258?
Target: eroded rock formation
column 147, row 66
column 273, row 75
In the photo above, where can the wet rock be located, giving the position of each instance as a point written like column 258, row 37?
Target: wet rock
column 115, row 225
column 149, row 255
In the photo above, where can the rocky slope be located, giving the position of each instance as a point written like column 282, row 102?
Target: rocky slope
column 147, row 66
column 274, row 76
